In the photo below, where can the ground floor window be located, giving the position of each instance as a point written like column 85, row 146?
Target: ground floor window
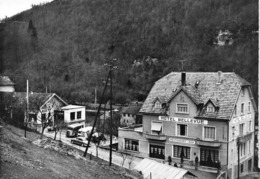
column 131, row 144
column 157, row 151
column 249, row 165
column 179, row 151
column 209, row 157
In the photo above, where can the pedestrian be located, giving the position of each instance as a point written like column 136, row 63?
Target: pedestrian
column 196, row 162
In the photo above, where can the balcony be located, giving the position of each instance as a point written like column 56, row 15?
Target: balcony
column 244, row 138
column 160, row 137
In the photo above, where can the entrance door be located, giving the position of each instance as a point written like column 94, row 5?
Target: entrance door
column 157, row 151
column 209, row 157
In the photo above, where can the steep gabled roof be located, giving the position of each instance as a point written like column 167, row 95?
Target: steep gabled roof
column 161, row 98
column 221, row 88
column 131, row 109
column 36, row 100
column 5, row 81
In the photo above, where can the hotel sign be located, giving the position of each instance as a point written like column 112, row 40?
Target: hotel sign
column 182, row 141
column 242, row 118
column 183, row 120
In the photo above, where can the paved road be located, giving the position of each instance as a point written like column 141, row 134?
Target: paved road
column 117, row 158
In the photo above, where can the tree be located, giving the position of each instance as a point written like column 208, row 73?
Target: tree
column 44, row 113
column 59, row 124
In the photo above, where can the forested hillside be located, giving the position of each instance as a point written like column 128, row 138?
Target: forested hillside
column 62, row 45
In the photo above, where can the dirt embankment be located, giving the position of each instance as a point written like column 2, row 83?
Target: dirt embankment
column 33, row 158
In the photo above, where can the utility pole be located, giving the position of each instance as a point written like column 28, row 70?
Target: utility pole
column 112, row 66
column 111, row 116
column 27, row 107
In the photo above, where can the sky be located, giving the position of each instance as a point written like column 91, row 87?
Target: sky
column 11, row 7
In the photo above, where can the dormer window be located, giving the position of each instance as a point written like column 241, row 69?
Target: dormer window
column 210, row 109
column 158, row 105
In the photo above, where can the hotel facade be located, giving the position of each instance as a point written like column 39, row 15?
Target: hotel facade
column 208, row 115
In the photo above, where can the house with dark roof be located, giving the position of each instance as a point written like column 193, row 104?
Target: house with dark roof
column 40, row 106
column 6, row 85
column 130, row 115
column 204, row 116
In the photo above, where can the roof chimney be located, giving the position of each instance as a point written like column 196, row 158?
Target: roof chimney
column 183, row 79
column 219, row 77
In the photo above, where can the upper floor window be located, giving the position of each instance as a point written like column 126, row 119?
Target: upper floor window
column 249, row 126
column 182, row 130
column 242, row 149
column 242, row 108
column 182, row 108
column 79, row 115
column 243, row 92
column 241, row 129
column 209, row 133
column 158, row 105
column 156, row 127
column 72, row 115
column 249, row 107
column 235, row 110
column 210, row 109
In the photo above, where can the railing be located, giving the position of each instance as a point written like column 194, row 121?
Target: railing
column 161, row 137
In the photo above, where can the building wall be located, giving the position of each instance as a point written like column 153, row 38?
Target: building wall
column 7, row 89
column 130, row 134
column 127, row 119
column 67, row 117
column 234, row 125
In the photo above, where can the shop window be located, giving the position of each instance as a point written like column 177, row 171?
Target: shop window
column 181, row 130
column 249, row 165
column 79, row 115
column 209, row 133
column 72, row 115
column 179, row 151
column 209, row 157
column 157, row 151
column 242, row 168
column 131, row 145
column 182, row 108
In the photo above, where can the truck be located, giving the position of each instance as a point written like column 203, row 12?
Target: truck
column 72, row 130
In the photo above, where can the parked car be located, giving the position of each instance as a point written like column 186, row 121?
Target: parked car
column 80, row 141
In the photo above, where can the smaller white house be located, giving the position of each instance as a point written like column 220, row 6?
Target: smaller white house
column 6, row 85
column 74, row 114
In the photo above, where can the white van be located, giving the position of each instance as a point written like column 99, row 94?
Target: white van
column 84, row 132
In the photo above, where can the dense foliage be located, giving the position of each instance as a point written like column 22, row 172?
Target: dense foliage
column 62, row 45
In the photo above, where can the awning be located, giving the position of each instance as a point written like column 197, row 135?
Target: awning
column 208, row 143
column 156, row 126
column 156, row 170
